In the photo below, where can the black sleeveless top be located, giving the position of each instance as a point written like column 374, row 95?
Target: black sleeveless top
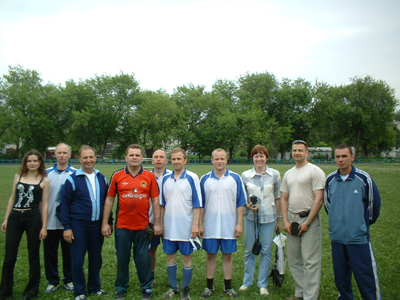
column 28, row 195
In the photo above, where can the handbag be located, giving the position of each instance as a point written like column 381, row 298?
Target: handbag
column 257, row 245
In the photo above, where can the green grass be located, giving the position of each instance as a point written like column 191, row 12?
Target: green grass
column 384, row 236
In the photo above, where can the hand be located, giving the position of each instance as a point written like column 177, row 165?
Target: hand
column 106, row 230
column 68, row 236
column 249, row 206
column 201, row 230
column 278, row 225
column 303, row 228
column 238, row 230
column 43, row 234
column 287, row 227
column 195, row 230
column 4, row 226
column 158, row 229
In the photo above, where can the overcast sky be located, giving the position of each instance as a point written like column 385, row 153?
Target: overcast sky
column 167, row 44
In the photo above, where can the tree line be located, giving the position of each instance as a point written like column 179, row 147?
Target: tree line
column 235, row 115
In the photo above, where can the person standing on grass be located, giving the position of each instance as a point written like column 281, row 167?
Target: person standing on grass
column 57, row 176
column 302, row 193
column 81, row 211
column 262, row 219
column 159, row 161
column 352, row 202
column 181, row 201
column 224, row 197
column 27, row 210
column 134, row 186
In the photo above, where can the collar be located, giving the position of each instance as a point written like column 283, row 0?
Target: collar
column 184, row 174
column 352, row 174
column 66, row 170
column 212, row 175
column 81, row 173
column 165, row 172
column 140, row 171
column 253, row 172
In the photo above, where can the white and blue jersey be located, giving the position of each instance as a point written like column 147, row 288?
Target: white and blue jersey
column 179, row 197
column 57, row 180
column 222, row 197
column 159, row 182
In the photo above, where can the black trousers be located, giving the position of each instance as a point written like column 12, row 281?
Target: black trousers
column 29, row 221
column 50, row 251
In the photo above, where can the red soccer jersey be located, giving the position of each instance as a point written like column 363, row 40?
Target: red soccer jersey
column 133, row 197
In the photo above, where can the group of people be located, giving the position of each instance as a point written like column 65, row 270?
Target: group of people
column 74, row 208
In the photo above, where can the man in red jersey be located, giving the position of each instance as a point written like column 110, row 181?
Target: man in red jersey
column 134, row 186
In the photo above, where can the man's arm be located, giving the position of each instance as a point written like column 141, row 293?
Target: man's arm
column 201, row 228
column 284, row 210
column 318, row 201
column 195, row 222
column 107, row 229
column 239, row 225
column 279, row 213
column 158, row 227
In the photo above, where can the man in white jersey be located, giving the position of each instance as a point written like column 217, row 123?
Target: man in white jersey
column 180, row 199
column 224, row 196
column 301, row 199
column 57, row 176
column 159, row 160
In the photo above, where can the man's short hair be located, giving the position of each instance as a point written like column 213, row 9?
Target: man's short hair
column 86, row 147
column 298, row 142
column 135, row 146
column 160, row 150
column 68, row 146
column 345, row 146
column 179, row 150
column 219, row 150
column 258, row 149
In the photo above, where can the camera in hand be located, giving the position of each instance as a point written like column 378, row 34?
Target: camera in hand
column 253, row 200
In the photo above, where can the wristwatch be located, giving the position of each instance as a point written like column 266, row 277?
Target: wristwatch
column 308, row 224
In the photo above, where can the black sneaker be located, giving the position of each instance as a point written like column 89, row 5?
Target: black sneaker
column 146, row 294
column 120, row 295
column 185, row 294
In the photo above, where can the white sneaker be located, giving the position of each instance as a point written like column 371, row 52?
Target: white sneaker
column 263, row 291
column 69, row 286
column 51, row 288
column 243, row 288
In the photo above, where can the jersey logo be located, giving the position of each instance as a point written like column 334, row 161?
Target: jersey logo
column 143, row 183
column 124, row 183
column 355, row 192
column 134, row 191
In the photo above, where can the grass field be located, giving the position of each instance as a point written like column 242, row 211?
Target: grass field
column 384, row 237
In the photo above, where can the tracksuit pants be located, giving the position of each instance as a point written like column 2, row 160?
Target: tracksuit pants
column 50, row 251
column 86, row 238
column 358, row 259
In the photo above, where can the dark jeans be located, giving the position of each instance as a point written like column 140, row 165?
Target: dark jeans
column 124, row 238
column 50, row 251
column 18, row 222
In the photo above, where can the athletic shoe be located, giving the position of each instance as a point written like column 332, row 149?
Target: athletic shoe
column 185, row 294
column 146, row 294
column 69, row 286
column 51, row 288
column 263, row 291
column 120, row 295
column 231, row 293
column 100, row 292
column 243, row 288
column 168, row 294
column 207, row 293
column 81, row 297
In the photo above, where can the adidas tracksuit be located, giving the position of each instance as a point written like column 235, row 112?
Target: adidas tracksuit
column 353, row 205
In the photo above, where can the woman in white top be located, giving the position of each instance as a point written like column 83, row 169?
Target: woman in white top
column 264, row 184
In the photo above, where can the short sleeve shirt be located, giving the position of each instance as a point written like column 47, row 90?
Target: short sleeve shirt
column 300, row 184
column 133, row 193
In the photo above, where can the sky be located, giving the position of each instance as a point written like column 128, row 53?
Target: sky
column 167, row 44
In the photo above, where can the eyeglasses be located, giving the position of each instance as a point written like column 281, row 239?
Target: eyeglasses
column 299, row 142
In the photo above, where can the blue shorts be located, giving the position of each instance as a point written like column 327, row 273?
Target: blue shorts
column 155, row 241
column 212, row 245
column 171, row 247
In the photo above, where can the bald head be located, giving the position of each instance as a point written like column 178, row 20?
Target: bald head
column 159, row 160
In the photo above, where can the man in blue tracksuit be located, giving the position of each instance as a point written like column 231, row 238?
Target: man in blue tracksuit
column 81, row 212
column 352, row 202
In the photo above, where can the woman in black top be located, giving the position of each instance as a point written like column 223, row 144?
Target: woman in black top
column 26, row 211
